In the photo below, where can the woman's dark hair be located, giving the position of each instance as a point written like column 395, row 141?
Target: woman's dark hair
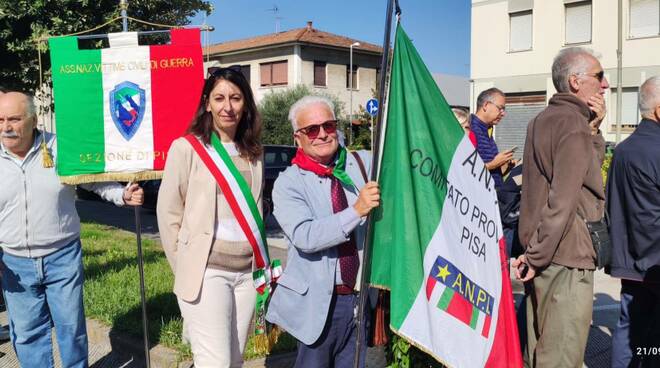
column 248, row 132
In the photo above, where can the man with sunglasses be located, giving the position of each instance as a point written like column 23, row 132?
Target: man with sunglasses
column 321, row 203
column 491, row 108
column 562, row 189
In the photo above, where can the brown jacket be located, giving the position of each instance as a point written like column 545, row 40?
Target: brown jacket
column 186, row 212
column 561, row 176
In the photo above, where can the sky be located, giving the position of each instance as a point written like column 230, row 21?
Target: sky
column 440, row 29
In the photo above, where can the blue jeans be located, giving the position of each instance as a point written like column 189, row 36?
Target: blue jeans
column 42, row 292
column 636, row 338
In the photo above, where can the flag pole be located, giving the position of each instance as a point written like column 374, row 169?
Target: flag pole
column 123, row 5
column 375, row 146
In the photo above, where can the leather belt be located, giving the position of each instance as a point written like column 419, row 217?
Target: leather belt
column 344, row 290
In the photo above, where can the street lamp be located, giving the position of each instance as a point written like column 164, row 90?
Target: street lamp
column 350, row 122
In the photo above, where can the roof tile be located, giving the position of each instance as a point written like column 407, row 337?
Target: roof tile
column 304, row 35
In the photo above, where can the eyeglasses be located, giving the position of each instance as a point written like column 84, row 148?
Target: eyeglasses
column 217, row 70
column 599, row 76
column 312, row 131
column 501, row 108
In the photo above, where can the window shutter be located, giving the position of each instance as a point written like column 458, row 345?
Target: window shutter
column 578, row 22
column 355, row 76
column 629, row 107
column 280, row 73
column 266, row 79
column 319, row 73
column 521, row 31
column 644, row 18
column 245, row 70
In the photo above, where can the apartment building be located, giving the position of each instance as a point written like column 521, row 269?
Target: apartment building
column 514, row 42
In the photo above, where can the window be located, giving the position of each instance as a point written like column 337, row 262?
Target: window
column 319, row 73
column 274, row 74
column 644, row 18
column 355, row 76
column 245, row 70
column 629, row 109
column 578, row 22
column 520, row 28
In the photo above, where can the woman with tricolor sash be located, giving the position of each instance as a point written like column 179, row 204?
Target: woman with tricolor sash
column 209, row 216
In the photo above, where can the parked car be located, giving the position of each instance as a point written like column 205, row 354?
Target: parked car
column 276, row 159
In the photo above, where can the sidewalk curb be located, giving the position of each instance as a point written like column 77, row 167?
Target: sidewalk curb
column 160, row 356
column 163, row 357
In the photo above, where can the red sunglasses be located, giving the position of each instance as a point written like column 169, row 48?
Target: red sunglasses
column 312, row 131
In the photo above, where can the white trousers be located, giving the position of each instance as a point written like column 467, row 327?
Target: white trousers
column 217, row 323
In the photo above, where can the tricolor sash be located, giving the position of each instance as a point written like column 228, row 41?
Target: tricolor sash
column 245, row 210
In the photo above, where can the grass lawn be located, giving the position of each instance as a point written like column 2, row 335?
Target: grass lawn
column 112, row 289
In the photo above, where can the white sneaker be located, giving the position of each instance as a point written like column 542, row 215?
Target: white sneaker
column 4, row 333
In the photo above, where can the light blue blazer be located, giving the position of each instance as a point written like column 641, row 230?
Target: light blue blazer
column 303, row 209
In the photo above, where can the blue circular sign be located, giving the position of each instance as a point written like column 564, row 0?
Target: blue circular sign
column 372, row 107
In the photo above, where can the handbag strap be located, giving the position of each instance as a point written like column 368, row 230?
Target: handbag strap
column 361, row 164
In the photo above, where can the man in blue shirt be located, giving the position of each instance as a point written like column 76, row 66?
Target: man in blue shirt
column 490, row 111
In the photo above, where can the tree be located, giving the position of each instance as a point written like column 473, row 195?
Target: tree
column 24, row 22
column 274, row 110
column 361, row 134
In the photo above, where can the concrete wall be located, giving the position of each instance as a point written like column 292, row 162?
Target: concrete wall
column 492, row 64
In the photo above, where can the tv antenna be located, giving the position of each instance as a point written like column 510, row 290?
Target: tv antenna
column 276, row 11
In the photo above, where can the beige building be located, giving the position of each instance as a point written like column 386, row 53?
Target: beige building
column 304, row 56
column 514, row 42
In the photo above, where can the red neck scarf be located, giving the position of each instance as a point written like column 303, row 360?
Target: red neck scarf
column 338, row 170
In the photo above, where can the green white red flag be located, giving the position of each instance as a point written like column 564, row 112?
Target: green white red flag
column 118, row 109
column 437, row 241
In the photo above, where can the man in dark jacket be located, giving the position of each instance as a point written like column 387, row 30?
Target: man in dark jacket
column 562, row 187
column 633, row 202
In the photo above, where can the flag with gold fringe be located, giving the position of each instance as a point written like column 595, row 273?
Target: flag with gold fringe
column 118, row 109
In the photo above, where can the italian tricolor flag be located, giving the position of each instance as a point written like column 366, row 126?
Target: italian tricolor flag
column 437, row 241
column 118, row 109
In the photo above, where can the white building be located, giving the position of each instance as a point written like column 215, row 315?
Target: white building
column 304, row 56
column 515, row 41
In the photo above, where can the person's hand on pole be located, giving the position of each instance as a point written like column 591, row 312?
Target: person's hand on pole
column 368, row 199
column 133, row 195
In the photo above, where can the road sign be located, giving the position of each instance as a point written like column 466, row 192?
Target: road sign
column 372, row 107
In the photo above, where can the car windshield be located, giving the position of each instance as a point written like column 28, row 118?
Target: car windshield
column 277, row 157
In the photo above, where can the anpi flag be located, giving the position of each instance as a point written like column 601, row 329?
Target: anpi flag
column 437, row 242
column 118, row 109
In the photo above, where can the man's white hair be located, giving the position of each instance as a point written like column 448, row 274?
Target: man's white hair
column 649, row 96
column 305, row 102
column 570, row 61
column 30, row 107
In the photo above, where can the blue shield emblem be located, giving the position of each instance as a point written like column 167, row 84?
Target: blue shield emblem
column 127, row 106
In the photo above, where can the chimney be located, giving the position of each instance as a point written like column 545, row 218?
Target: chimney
column 309, row 25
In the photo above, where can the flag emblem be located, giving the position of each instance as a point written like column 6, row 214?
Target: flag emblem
column 127, row 106
column 462, row 298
